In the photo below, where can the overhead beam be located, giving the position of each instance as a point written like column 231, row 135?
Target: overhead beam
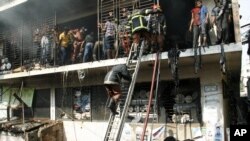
column 62, row 19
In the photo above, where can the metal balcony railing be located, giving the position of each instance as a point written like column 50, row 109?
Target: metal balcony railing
column 21, row 48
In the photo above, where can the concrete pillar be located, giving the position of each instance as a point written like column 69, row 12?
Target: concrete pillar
column 52, row 104
column 212, row 101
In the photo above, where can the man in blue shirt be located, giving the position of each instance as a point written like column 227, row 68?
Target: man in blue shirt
column 204, row 22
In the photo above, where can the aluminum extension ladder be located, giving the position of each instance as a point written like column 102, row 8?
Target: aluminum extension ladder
column 116, row 122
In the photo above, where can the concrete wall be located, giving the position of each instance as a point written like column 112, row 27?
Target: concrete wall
column 9, row 137
column 95, row 131
column 210, row 86
column 78, row 130
column 211, row 94
column 52, row 132
column 212, row 100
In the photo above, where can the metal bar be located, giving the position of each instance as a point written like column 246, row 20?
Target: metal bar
column 150, row 98
column 22, row 103
column 109, row 128
column 129, row 96
column 98, row 30
column 56, row 46
column 21, row 58
column 8, row 107
column 157, row 86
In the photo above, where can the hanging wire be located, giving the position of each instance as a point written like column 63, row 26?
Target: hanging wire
column 107, row 102
column 65, row 77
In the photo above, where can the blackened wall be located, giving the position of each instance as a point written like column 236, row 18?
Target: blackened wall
column 41, row 103
column 178, row 16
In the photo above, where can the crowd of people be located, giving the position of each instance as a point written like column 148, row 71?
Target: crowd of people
column 220, row 19
column 63, row 46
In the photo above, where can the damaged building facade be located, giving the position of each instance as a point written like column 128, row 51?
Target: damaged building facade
column 45, row 98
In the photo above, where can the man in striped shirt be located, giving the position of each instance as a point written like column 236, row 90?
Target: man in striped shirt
column 109, row 39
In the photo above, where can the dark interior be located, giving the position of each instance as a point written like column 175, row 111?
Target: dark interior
column 178, row 15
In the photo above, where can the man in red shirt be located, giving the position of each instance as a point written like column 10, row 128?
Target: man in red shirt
column 195, row 22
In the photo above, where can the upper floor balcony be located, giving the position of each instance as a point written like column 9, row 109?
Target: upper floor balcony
column 209, row 56
column 29, row 42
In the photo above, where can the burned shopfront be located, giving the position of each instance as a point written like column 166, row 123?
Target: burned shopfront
column 55, row 55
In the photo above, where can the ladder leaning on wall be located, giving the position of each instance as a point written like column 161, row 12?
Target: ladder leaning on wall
column 116, row 122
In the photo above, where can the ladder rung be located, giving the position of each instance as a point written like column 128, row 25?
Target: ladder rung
column 132, row 61
column 117, row 121
column 132, row 68
column 132, row 65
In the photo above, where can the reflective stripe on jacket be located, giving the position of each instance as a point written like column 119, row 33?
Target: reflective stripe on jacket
column 115, row 75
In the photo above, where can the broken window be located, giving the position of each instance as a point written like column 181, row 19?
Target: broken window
column 17, row 98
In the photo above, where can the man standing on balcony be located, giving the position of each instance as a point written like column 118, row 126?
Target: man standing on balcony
column 64, row 40
column 220, row 17
column 55, row 39
column 112, row 82
column 88, row 49
column 109, row 39
column 204, row 22
column 195, row 23
column 45, row 45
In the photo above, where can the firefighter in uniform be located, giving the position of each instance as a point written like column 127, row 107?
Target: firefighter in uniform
column 112, row 82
